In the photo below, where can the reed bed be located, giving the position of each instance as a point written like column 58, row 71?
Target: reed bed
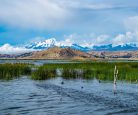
column 43, row 73
column 128, row 71
column 9, row 71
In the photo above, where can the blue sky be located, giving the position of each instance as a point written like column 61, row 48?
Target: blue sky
column 96, row 22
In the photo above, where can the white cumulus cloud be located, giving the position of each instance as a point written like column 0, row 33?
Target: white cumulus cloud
column 128, row 37
column 8, row 49
column 89, row 40
column 66, row 42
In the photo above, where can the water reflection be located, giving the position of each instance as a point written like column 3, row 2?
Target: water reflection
column 115, row 88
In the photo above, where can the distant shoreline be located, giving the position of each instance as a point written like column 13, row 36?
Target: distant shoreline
column 90, row 59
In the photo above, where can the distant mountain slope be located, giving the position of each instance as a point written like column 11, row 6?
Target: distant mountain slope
column 110, row 47
column 77, row 47
column 59, row 53
column 69, row 53
column 115, row 54
column 51, row 43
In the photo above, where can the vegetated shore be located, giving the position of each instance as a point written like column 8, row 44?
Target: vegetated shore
column 75, row 59
column 128, row 71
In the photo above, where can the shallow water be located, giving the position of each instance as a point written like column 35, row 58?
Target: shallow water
column 41, row 62
column 35, row 62
column 74, row 97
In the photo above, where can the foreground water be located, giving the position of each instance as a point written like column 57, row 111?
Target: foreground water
column 74, row 97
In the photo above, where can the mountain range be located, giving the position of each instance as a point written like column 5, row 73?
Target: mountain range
column 51, row 49
column 41, row 45
column 69, row 53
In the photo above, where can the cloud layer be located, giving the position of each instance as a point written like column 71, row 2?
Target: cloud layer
column 85, row 40
column 86, row 22
column 32, row 13
column 51, row 14
column 8, row 49
column 89, row 40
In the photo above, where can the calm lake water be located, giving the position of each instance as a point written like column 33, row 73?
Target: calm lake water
column 36, row 62
column 74, row 97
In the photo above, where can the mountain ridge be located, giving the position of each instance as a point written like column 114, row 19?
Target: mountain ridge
column 42, row 45
column 69, row 53
column 58, row 53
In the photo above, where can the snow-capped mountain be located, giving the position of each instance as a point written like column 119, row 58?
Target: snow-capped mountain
column 53, row 42
column 42, row 44
column 110, row 47
column 78, row 47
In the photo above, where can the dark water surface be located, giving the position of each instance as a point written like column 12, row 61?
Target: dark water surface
column 74, row 97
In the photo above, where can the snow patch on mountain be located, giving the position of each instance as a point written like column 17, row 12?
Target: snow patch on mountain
column 53, row 42
column 42, row 44
column 111, row 47
column 83, row 47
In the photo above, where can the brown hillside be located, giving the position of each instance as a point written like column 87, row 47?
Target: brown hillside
column 59, row 53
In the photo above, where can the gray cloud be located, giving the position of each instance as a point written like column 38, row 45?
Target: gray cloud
column 49, row 14
column 32, row 13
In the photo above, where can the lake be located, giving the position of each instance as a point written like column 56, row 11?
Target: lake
column 74, row 97
column 60, row 96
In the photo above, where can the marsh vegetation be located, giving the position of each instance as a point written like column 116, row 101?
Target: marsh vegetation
column 128, row 71
column 9, row 71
